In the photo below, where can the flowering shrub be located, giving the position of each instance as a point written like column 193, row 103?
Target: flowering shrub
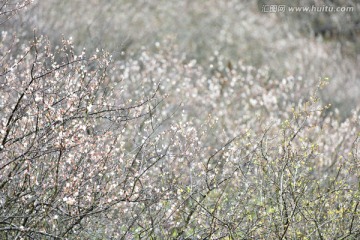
column 156, row 146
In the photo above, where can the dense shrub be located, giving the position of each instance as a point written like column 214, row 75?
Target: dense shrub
column 155, row 145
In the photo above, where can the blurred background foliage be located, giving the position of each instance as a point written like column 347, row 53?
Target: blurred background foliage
column 216, row 34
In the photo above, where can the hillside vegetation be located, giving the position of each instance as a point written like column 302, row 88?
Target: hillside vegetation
column 178, row 120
